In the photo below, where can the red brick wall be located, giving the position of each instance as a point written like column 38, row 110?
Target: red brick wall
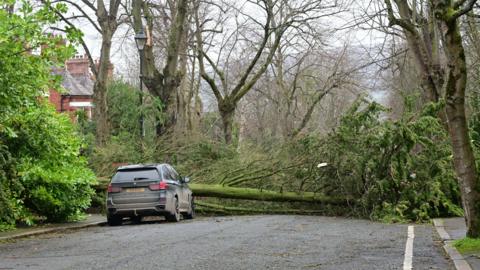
column 54, row 97
column 62, row 103
column 80, row 66
column 68, row 99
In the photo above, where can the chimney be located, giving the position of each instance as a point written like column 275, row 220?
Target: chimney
column 78, row 66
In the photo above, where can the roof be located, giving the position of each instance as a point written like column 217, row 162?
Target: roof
column 76, row 85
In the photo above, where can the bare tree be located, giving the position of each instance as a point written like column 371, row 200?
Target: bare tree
column 244, row 53
column 336, row 78
column 309, row 88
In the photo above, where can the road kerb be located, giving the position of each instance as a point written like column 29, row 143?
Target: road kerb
column 438, row 222
column 457, row 258
column 50, row 230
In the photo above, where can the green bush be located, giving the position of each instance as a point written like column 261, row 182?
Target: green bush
column 41, row 172
column 52, row 179
column 124, row 110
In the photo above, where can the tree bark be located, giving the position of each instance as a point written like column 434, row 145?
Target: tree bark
column 227, row 112
column 163, row 84
column 464, row 160
column 218, row 191
column 106, row 26
column 184, row 90
column 100, row 91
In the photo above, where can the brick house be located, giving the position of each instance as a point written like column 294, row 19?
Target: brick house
column 78, row 83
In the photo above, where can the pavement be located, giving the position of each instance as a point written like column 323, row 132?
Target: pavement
column 91, row 220
column 451, row 229
column 237, row 242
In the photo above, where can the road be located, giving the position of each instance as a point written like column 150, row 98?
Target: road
column 243, row 242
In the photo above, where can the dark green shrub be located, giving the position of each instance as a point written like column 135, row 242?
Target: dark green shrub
column 54, row 178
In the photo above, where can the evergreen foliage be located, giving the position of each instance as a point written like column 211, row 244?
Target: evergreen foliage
column 41, row 172
column 396, row 170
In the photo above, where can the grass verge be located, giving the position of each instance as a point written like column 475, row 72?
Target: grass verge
column 467, row 245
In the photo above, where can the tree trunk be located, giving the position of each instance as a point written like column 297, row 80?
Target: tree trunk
column 100, row 111
column 218, row 191
column 464, row 160
column 182, row 100
column 227, row 112
column 163, row 84
column 190, row 106
column 100, row 91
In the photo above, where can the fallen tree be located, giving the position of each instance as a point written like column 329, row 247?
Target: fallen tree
column 218, row 191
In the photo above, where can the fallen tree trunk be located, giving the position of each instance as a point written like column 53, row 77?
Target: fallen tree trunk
column 218, row 191
column 215, row 208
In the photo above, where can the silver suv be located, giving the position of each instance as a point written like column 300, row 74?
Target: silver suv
column 148, row 190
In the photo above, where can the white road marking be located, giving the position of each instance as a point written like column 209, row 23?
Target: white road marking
column 407, row 262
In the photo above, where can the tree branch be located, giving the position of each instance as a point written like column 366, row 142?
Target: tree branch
column 92, row 22
column 93, row 67
column 216, row 69
column 464, row 10
column 201, row 54
column 248, row 85
column 90, row 5
column 240, row 89
column 396, row 21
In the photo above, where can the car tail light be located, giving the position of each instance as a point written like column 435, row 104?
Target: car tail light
column 158, row 186
column 112, row 189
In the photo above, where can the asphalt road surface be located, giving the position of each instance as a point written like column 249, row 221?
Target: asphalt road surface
column 243, row 242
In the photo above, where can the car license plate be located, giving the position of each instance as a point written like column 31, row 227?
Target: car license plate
column 135, row 189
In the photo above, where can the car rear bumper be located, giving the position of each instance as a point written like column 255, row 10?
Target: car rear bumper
column 137, row 209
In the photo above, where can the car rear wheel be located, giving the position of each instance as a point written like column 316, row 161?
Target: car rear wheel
column 175, row 217
column 191, row 213
column 114, row 220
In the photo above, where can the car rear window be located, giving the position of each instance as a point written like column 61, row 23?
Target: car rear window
column 138, row 174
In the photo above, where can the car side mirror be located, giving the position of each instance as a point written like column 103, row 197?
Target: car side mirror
column 186, row 179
